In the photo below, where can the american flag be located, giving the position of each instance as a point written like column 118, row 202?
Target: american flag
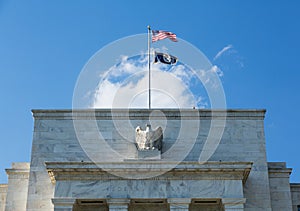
column 160, row 35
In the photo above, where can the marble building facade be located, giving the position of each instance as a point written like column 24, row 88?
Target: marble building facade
column 212, row 160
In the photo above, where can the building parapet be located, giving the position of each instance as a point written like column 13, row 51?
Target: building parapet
column 142, row 113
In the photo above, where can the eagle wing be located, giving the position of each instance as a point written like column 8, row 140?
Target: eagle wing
column 140, row 138
column 156, row 134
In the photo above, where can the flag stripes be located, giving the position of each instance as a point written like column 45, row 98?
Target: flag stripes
column 160, row 35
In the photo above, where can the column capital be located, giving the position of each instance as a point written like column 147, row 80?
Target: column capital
column 118, row 201
column 233, row 203
column 179, row 200
column 179, row 204
column 116, row 204
column 63, row 203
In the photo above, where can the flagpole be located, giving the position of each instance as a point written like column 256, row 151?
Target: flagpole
column 149, row 66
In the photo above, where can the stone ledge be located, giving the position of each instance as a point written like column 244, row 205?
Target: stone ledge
column 148, row 155
column 295, row 187
column 278, row 170
column 63, row 202
column 165, row 170
column 3, row 188
column 234, row 203
column 189, row 114
column 18, row 168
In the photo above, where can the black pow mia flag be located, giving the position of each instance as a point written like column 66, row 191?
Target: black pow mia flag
column 165, row 58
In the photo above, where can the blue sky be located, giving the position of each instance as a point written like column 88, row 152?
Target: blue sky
column 45, row 44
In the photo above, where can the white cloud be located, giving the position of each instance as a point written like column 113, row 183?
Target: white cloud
column 104, row 94
column 180, row 71
column 229, row 59
column 226, row 48
column 126, row 85
column 201, row 102
column 209, row 76
column 126, row 66
column 215, row 69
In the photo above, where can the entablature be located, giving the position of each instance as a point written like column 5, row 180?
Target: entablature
column 155, row 170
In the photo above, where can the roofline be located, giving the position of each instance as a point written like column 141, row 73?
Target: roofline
column 144, row 113
column 143, row 110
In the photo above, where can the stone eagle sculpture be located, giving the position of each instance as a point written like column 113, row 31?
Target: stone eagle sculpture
column 148, row 139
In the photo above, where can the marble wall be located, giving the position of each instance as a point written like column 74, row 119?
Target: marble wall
column 295, row 192
column 279, row 178
column 17, row 190
column 149, row 189
column 102, row 136
column 3, row 193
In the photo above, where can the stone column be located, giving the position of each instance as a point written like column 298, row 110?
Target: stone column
column 63, row 204
column 233, row 204
column 3, row 193
column 179, row 204
column 118, row 204
column 17, row 190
